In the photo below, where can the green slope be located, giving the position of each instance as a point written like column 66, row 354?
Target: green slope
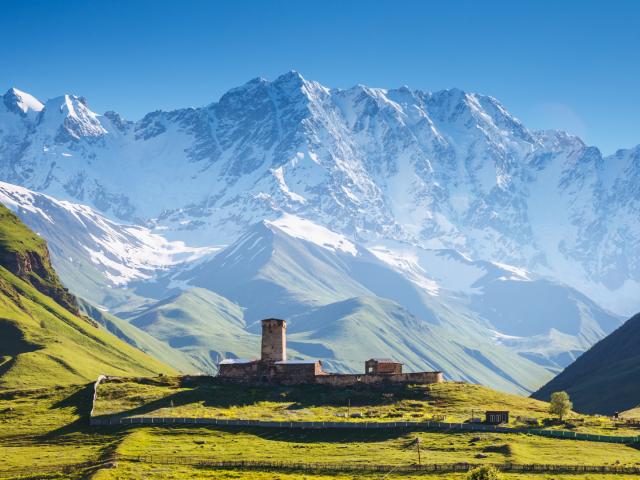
column 360, row 328
column 41, row 342
column 267, row 270
column 605, row 379
column 202, row 324
column 26, row 255
column 345, row 308
column 141, row 339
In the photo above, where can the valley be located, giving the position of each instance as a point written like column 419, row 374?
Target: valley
column 392, row 223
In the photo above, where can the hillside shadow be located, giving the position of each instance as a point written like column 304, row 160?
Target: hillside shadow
column 80, row 402
column 12, row 344
column 213, row 394
column 297, row 435
column 327, row 435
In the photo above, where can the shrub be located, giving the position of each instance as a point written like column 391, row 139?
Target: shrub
column 560, row 404
column 503, row 448
column 484, row 473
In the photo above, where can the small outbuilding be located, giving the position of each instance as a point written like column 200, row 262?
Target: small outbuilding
column 382, row 366
column 496, row 417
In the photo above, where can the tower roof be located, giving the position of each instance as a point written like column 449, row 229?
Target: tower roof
column 273, row 320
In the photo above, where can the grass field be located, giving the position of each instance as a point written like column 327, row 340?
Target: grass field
column 126, row 471
column 360, row 447
column 451, row 402
column 44, row 430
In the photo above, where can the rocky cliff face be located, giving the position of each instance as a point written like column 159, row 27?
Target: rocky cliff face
column 449, row 169
column 25, row 255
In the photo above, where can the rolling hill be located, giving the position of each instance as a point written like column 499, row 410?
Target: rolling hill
column 44, row 339
column 605, row 378
column 201, row 324
column 344, row 305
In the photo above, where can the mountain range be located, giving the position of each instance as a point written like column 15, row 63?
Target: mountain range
column 449, row 169
column 479, row 321
column 432, row 227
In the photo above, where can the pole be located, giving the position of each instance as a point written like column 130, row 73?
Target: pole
column 418, row 443
column 348, row 408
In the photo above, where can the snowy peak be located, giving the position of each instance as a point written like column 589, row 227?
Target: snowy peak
column 308, row 231
column 68, row 117
column 292, row 79
column 448, row 169
column 21, row 102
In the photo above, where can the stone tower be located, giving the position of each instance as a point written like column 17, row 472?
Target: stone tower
column 274, row 340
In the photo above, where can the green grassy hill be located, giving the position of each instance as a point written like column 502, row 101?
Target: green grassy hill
column 26, row 255
column 203, row 325
column 204, row 397
column 605, row 378
column 45, row 431
column 43, row 338
column 363, row 327
column 141, row 339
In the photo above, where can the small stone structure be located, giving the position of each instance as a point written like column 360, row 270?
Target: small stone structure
column 273, row 366
column 496, row 417
column 382, row 365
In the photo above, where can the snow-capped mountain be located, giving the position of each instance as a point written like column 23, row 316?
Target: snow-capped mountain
column 449, row 169
column 291, row 265
column 93, row 254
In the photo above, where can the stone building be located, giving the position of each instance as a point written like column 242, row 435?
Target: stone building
column 496, row 416
column 382, row 365
column 273, row 366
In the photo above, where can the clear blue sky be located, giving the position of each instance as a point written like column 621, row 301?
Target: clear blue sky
column 567, row 64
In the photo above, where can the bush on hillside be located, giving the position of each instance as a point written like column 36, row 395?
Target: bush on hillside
column 560, row 404
column 484, row 473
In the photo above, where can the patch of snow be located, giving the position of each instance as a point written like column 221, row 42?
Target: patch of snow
column 306, row 230
column 27, row 102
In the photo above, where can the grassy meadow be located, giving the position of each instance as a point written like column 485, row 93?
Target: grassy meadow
column 450, row 402
column 45, row 434
column 128, row 471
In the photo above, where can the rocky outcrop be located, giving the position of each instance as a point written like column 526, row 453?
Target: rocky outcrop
column 26, row 255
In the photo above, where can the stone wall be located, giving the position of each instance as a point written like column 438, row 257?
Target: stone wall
column 284, row 373
column 296, row 373
column 385, row 366
column 238, row 370
column 340, row 380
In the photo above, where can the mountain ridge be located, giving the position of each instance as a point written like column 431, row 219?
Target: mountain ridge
column 292, row 267
column 448, row 169
column 604, row 378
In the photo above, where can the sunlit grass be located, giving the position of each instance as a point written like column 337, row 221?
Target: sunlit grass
column 450, row 402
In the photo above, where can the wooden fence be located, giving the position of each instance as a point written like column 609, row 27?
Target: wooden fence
column 207, row 462
column 442, row 426
column 202, row 461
